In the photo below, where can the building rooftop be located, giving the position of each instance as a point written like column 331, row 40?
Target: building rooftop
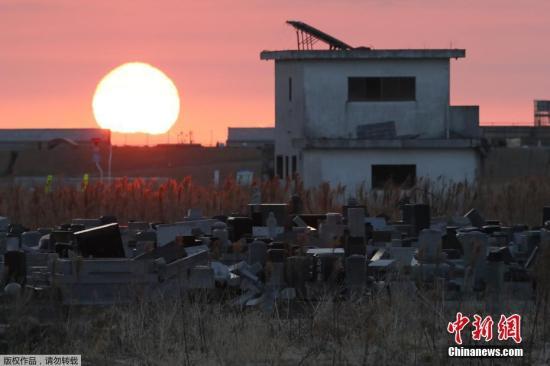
column 337, row 143
column 22, row 138
column 362, row 53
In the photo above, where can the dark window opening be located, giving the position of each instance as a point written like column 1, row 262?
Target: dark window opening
column 279, row 166
column 381, row 89
column 286, row 166
column 293, row 165
column 290, row 89
column 399, row 175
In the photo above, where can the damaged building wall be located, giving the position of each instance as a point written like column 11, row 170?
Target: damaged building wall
column 325, row 165
column 290, row 111
column 330, row 114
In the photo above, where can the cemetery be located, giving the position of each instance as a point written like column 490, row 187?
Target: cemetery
column 284, row 267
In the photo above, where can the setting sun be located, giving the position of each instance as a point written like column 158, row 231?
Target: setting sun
column 136, row 97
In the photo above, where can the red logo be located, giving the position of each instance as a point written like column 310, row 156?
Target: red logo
column 457, row 326
column 508, row 328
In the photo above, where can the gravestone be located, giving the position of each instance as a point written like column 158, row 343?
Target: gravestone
column 417, row 215
column 259, row 213
column 170, row 252
column 381, row 268
column 239, row 227
column 544, row 240
column 15, row 267
column 356, row 222
column 271, row 224
column 449, row 240
column 429, row 246
column 545, row 214
column 532, row 240
column 377, row 223
column 194, row 214
column 200, row 277
column 4, row 223
column 256, row 196
column 403, row 255
column 13, row 242
column 495, row 278
column 100, row 242
column 276, row 258
column 331, row 230
column 475, row 247
column 108, row 219
column 298, row 271
column 356, row 272
column 355, row 245
column 276, row 255
column 168, row 232
column 136, row 226
column 264, row 232
column 328, row 266
column 257, row 252
column 30, row 238
column 87, row 223
column 313, row 220
column 381, row 237
column 200, row 226
column 296, row 205
column 475, row 218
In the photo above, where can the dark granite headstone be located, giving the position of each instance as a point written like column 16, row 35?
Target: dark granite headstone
column 417, row 215
column 239, row 227
column 276, row 255
column 100, row 242
column 545, row 214
column 16, row 267
column 355, row 245
column 490, row 229
column 260, row 212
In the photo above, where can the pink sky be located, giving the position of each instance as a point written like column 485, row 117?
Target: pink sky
column 53, row 53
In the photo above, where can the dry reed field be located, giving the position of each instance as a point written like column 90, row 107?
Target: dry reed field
column 515, row 201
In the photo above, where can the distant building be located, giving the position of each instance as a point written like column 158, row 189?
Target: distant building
column 535, row 133
column 43, row 138
column 16, row 141
column 360, row 115
column 250, row 136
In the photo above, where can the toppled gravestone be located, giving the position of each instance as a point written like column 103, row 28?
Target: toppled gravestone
column 168, row 232
column 120, row 280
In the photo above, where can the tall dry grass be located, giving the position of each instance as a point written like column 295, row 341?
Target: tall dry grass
column 515, row 201
column 395, row 327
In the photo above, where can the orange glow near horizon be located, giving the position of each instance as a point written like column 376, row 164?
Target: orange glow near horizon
column 55, row 52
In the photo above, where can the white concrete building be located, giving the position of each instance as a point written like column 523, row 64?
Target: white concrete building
column 363, row 116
